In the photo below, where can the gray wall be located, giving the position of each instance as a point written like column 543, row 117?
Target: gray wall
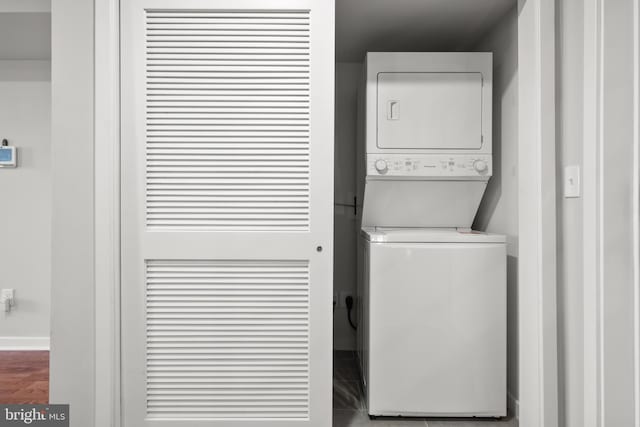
column 498, row 212
column 25, row 35
column 25, row 245
column 569, row 121
column 72, row 292
column 348, row 75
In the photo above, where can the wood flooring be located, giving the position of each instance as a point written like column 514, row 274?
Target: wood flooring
column 24, row 377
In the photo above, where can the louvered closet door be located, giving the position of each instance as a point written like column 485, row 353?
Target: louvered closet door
column 227, row 195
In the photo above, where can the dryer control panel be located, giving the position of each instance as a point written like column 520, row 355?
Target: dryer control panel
column 429, row 165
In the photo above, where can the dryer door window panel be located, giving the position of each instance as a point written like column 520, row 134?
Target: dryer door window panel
column 430, row 111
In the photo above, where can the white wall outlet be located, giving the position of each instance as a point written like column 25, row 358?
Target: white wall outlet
column 7, row 299
column 572, row 181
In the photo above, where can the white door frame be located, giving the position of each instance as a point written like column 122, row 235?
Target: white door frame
column 599, row 290
column 592, row 145
column 537, row 212
column 107, row 212
column 537, row 327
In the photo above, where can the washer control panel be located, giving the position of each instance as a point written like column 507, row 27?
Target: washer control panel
column 429, row 165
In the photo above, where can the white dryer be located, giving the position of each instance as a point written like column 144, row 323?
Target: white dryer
column 424, row 149
column 432, row 322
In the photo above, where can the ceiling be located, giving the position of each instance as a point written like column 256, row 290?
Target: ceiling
column 412, row 25
column 361, row 26
column 25, row 36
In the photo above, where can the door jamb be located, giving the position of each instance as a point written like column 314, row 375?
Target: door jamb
column 537, row 212
column 107, row 212
column 537, row 326
column 592, row 122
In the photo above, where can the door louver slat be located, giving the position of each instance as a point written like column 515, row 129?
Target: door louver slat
column 236, row 348
column 227, row 120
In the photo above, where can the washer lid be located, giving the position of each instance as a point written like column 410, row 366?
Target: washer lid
column 428, row 235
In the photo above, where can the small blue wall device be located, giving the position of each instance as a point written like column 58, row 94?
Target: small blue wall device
column 8, row 155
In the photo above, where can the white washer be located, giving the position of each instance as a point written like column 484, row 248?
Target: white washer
column 432, row 322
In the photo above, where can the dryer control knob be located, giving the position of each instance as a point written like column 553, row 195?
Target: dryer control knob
column 480, row 166
column 381, row 166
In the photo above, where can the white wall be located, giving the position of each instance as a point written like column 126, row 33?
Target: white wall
column 25, row 212
column 26, row 6
column 72, row 274
column 611, row 214
column 498, row 212
column 569, row 104
column 348, row 76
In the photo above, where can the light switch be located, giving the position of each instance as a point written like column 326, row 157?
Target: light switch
column 572, row 181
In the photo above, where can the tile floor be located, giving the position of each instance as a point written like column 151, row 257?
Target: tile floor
column 349, row 409
column 24, row 379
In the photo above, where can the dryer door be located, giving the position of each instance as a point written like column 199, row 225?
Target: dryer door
column 430, row 111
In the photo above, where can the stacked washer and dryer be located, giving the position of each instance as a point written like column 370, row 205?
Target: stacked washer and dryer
column 431, row 292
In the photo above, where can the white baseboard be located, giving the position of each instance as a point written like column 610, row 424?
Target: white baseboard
column 513, row 405
column 24, row 343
